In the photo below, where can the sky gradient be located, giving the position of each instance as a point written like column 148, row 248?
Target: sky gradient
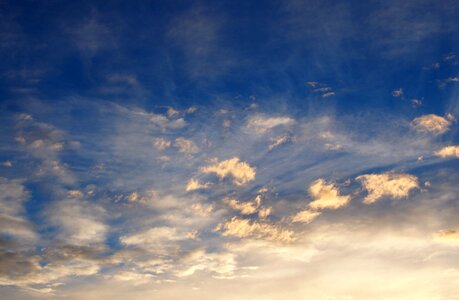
column 229, row 150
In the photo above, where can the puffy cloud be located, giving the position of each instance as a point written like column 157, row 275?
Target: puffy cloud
column 264, row 212
column 245, row 208
column 194, row 185
column 79, row 222
column 262, row 123
column 245, row 228
column 161, row 144
column 448, row 151
column 250, row 207
column 186, row 146
column 387, row 184
column 431, row 124
column 326, row 196
column 12, row 220
column 305, row 216
column 241, row 172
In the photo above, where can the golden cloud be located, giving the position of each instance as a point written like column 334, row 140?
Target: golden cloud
column 387, row 184
column 245, row 228
column 448, row 151
column 241, row 172
column 431, row 123
column 305, row 216
column 326, row 196
column 194, row 184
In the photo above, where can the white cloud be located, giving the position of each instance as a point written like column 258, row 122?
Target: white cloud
column 194, row 185
column 387, row 184
column 241, row 172
column 222, row 264
column 328, row 94
column 448, row 152
column 79, row 222
column 431, row 124
column 261, row 123
column 13, row 223
column 154, row 236
column 326, row 196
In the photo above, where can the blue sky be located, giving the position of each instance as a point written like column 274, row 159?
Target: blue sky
column 229, row 150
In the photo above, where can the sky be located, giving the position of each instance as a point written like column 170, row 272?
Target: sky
column 229, row 150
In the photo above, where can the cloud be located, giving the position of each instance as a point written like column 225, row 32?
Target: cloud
column 431, row 124
column 246, row 228
column 161, row 144
column 7, row 163
column 222, row 264
column 398, row 93
column 448, row 152
column 279, row 140
column 245, row 208
column 185, row 146
column 154, row 236
column 145, row 198
column 326, row 196
column 328, row 94
column 387, row 184
column 202, row 210
column 250, row 207
column 194, row 185
column 241, row 172
column 447, row 235
column 13, row 222
column 134, row 278
column 79, row 222
column 261, row 123
column 305, row 216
